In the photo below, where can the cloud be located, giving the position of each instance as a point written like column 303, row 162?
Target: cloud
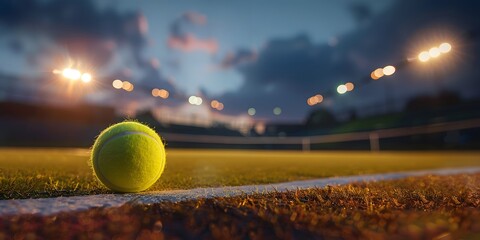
column 360, row 12
column 83, row 32
column 284, row 74
column 195, row 18
column 234, row 59
column 289, row 70
column 190, row 43
column 78, row 26
column 182, row 37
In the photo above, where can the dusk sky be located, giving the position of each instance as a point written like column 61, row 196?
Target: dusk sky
column 245, row 54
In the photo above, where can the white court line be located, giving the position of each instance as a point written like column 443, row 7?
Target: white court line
column 49, row 206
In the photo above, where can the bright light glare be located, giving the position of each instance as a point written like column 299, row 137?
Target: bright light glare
column 70, row 73
column 342, row 89
column 388, row 70
column 434, row 52
column 424, row 56
column 86, row 77
column 117, row 84
column 445, row 47
column 251, row 111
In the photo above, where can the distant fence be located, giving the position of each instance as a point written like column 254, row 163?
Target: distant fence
column 306, row 142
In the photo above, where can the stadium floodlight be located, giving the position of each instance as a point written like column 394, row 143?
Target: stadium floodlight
column 434, row 52
column 86, row 77
column 72, row 74
column 445, row 47
column 342, row 89
column 424, row 56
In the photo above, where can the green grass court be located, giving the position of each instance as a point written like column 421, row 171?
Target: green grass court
column 33, row 173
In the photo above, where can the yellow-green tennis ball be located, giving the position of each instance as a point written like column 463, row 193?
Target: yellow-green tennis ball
column 128, row 157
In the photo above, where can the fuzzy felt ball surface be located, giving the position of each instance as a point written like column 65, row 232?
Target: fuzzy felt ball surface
column 128, row 157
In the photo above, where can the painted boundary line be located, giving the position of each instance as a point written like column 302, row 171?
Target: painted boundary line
column 49, row 206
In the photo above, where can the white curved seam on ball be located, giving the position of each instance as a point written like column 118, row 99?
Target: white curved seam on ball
column 119, row 135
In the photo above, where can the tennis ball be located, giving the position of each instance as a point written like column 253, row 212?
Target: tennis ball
column 128, row 157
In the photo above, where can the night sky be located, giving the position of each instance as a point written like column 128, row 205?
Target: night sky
column 245, row 54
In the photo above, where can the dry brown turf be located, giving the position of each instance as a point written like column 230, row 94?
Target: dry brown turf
column 433, row 207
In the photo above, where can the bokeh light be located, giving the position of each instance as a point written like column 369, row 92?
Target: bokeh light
column 163, row 93
column 315, row 100
column 342, row 89
column 377, row 73
column 389, row 70
column 349, row 86
column 127, row 86
column 194, row 100
column 445, row 47
column 424, row 56
column 251, row 111
column 260, row 128
column 319, row 98
column 155, row 92
column 220, row 106
column 277, row 111
column 118, row 84
column 310, row 101
column 214, row 103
